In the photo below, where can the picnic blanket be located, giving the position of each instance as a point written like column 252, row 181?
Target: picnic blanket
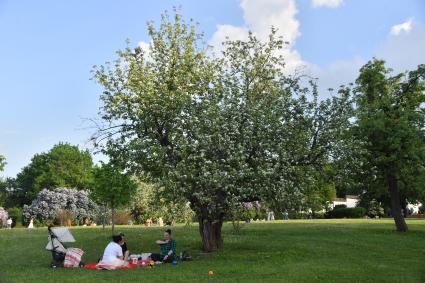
column 73, row 257
column 93, row 265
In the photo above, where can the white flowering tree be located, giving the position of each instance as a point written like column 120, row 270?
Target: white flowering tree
column 214, row 131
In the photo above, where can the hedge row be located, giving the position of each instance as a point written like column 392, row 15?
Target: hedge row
column 354, row 212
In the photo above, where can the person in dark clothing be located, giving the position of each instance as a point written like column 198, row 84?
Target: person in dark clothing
column 167, row 249
column 124, row 248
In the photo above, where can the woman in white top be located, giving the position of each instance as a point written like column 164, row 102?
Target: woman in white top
column 113, row 256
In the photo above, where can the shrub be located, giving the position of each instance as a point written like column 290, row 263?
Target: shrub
column 122, row 217
column 305, row 215
column 340, row 206
column 319, row 215
column 354, row 212
column 3, row 217
column 16, row 214
column 63, row 216
column 47, row 206
column 246, row 211
column 237, row 226
column 297, row 215
column 375, row 209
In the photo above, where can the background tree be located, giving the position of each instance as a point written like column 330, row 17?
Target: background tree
column 215, row 131
column 2, row 183
column 64, row 165
column 26, row 189
column 10, row 194
column 152, row 202
column 112, row 187
column 67, row 166
column 2, row 162
column 320, row 196
column 389, row 130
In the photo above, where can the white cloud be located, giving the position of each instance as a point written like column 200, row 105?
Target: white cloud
column 404, row 52
column 259, row 17
column 326, row 3
column 403, row 27
column 227, row 31
column 401, row 52
column 335, row 74
column 144, row 46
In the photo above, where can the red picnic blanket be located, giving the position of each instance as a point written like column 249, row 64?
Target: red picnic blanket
column 93, row 265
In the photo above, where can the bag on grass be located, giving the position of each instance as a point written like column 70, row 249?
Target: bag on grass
column 185, row 256
column 73, row 257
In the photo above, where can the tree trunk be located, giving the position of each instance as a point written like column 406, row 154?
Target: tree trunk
column 113, row 219
column 104, row 217
column 210, row 231
column 396, row 212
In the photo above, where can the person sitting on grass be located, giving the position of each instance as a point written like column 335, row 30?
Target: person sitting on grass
column 167, row 248
column 124, row 248
column 113, row 256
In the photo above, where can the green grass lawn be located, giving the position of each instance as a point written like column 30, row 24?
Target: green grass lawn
column 290, row 251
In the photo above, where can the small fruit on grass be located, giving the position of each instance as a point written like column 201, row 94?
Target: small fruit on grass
column 210, row 273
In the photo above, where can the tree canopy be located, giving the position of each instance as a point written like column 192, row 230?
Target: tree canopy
column 216, row 131
column 2, row 162
column 111, row 187
column 388, row 132
column 64, row 165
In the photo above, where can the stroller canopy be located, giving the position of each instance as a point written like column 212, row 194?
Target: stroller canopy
column 63, row 234
column 57, row 236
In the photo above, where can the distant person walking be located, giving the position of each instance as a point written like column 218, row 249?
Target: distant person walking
column 31, row 225
column 270, row 215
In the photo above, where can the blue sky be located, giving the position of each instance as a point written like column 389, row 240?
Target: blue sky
column 47, row 49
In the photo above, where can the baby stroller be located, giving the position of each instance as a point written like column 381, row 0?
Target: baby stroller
column 58, row 236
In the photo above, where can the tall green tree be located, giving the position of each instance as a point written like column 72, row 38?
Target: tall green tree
column 151, row 202
column 112, row 187
column 322, row 193
column 10, row 194
column 2, row 162
column 2, row 182
column 214, row 131
column 389, row 131
column 64, row 165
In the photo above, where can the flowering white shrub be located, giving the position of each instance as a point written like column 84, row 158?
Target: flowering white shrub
column 49, row 204
column 3, row 217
